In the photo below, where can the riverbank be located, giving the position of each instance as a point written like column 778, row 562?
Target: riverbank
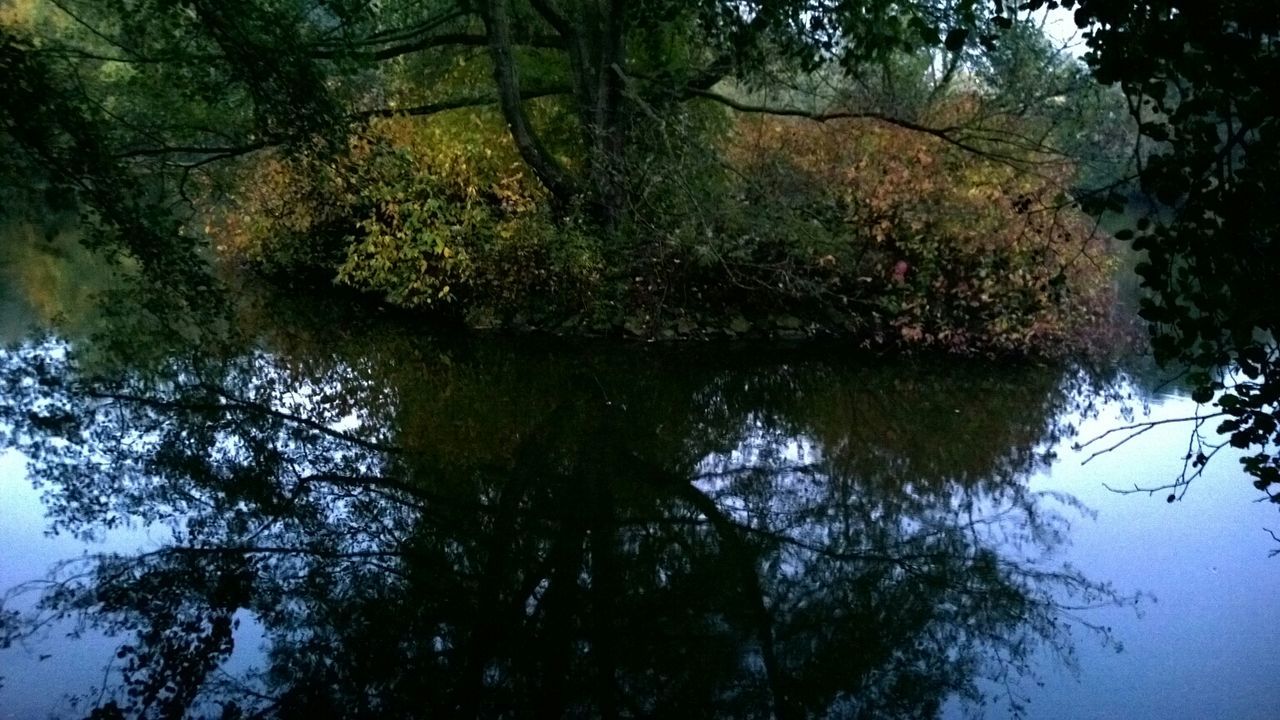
column 778, row 229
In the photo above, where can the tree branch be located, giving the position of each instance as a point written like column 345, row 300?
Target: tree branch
column 554, row 18
column 404, row 33
column 435, row 41
column 224, row 152
column 455, row 104
column 1149, row 424
column 945, row 134
column 547, row 168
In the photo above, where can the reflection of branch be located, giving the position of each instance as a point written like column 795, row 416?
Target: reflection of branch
column 728, row 532
column 798, row 469
column 272, row 550
column 249, row 406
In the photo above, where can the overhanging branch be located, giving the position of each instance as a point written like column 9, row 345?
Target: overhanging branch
column 425, row 109
column 427, row 43
column 455, row 104
column 945, row 134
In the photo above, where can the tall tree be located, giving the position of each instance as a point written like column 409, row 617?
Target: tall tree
column 215, row 80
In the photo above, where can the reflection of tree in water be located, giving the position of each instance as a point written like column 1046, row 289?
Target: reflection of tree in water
column 492, row 534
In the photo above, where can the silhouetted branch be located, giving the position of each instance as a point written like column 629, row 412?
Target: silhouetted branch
column 1275, row 552
column 1145, row 426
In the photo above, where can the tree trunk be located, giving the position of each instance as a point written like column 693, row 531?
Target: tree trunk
column 594, row 39
column 550, row 173
column 609, row 135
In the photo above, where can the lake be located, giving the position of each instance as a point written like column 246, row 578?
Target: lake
column 318, row 511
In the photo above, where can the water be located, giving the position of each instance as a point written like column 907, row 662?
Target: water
column 328, row 514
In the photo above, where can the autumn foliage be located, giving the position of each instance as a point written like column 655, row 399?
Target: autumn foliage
column 937, row 244
column 437, row 215
column 855, row 228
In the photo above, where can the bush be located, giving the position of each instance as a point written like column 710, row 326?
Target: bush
column 423, row 213
column 920, row 241
column 853, row 227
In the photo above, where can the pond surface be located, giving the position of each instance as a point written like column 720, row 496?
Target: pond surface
column 318, row 514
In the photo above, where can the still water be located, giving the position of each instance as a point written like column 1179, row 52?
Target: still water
column 315, row 513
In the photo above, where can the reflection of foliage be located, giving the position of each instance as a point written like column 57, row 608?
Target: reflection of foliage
column 665, row 550
column 45, row 276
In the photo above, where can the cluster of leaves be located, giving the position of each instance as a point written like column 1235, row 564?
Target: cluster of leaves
column 1200, row 80
column 420, row 212
column 896, row 236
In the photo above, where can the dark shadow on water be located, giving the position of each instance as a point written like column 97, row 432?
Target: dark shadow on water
column 426, row 528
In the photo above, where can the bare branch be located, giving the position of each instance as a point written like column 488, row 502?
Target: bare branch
column 1151, row 423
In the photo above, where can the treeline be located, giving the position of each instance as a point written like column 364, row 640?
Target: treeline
column 908, row 177
column 777, row 226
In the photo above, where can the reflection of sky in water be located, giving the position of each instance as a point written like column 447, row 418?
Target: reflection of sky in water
column 26, row 554
column 1205, row 647
column 1199, row 648
column 1202, row 650
column 37, row 678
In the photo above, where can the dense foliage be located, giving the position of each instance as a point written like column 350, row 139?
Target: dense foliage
column 635, row 194
column 585, row 166
column 1200, row 77
column 933, row 244
column 423, row 213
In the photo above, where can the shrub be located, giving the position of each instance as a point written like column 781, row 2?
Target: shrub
column 421, row 212
column 924, row 242
column 858, row 227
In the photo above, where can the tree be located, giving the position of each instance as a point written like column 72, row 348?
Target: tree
column 212, row 81
column 186, row 84
column 1199, row 78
